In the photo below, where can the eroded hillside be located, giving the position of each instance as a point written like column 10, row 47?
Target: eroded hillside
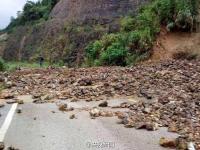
column 59, row 38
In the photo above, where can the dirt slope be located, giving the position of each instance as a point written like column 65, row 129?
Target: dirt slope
column 169, row 43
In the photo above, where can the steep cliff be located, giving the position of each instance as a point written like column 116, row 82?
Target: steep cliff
column 97, row 10
column 72, row 24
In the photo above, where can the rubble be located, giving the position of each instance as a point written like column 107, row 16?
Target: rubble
column 20, row 101
column 103, row 104
column 2, row 146
column 148, row 126
column 70, row 109
column 171, row 143
column 12, row 148
column 7, row 95
column 72, row 116
column 8, row 84
column 19, row 110
column 85, row 82
column 2, row 104
column 63, row 107
column 168, row 92
column 11, row 101
column 94, row 112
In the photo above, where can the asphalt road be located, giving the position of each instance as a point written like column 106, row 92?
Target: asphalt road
column 37, row 128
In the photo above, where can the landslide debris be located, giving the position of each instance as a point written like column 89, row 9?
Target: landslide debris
column 169, row 93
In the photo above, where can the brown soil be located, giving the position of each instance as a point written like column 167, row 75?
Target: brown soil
column 169, row 43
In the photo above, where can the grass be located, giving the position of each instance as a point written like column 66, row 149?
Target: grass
column 11, row 66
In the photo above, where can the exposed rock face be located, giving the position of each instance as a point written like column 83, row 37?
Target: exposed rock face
column 51, row 39
column 99, row 10
column 3, row 39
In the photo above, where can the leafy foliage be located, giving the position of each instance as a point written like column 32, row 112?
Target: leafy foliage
column 2, row 65
column 33, row 12
column 114, row 55
column 135, row 40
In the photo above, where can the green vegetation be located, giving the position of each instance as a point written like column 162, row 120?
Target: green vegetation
column 33, row 12
column 135, row 40
column 2, row 65
column 11, row 66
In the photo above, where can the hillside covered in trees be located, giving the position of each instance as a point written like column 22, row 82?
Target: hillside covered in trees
column 95, row 33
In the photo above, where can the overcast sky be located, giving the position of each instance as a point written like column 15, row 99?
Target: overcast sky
column 9, row 8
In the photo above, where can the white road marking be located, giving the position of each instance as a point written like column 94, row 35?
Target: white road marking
column 7, row 122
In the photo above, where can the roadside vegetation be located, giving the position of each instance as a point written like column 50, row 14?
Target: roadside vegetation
column 135, row 40
column 13, row 65
column 2, row 65
column 33, row 13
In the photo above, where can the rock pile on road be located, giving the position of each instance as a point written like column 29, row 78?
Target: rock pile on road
column 169, row 92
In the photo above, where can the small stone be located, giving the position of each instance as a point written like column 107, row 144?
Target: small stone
column 7, row 96
column 120, row 114
column 74, row 100
column 147, row 110
column 35, row 96
column 8, row 84
column 12, row 148
column 164, row 142
column 103, row 104
column 94, row 112
column 34, row 118
column 129, row 126
column 151, row 126
column 70, row 109
column 129, row 123
column 2, row 104
column 48, row 97
column 106, row 114
column 11, row 101
column 20, row 101
column 2, row 146
column 172, row 128
column 53, row 112
column 63, row 107
column 19, row 110
column 182, row 144
column 88, row 100
column 85, row 82
column 124, row 105
column 72, row 116
column 38, row 101
column 140, row 125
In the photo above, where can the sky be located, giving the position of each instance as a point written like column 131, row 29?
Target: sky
column 9, row 8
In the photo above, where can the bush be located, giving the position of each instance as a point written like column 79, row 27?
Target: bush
column 2, row 65
column 140, row 40
column 128, row 24
column 135, row 40
column 93, row 50
column 114, row 55
column 32, row 13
